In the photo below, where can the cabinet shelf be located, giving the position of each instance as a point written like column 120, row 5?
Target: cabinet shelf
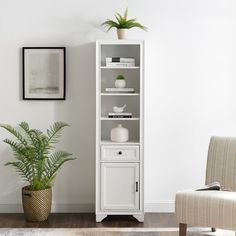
column 122, row 68
column 131, row 142
column 119, row 94
column 108, row 118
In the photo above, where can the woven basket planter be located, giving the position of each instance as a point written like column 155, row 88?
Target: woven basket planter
column 37, row 204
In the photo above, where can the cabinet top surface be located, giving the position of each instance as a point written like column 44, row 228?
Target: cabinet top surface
column 116, row 41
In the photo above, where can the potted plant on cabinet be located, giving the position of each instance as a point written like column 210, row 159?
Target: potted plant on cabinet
column 37, row 162
column 120, row 81
column 122, row 24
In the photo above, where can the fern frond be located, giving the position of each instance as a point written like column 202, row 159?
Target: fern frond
column 13, row 131
column 32, row 135
column 54, row 132
column 14, row 145
column 25, row 126
column 56, row 160
column 21, row 169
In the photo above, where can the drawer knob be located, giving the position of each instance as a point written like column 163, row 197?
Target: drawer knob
column 120, row 153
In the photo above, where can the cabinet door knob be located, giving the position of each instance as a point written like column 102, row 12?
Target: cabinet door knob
column 136, row 186
column 120, row 152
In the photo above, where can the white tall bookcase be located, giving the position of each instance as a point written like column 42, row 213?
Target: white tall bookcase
column 119, row 166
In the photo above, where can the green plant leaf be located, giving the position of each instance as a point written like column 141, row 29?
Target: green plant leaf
column 13, row 131
column 25, row 126
column 19, row 147
column 55, row 161
column 54, row 132
column 110, row 24
column 120, row 77
column 126, row 13
column 21, row 169
column 138, row 25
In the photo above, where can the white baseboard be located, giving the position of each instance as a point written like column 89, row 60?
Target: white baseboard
column 154, row 206
column 56, row 208
column 160, row 206
column 73, row 208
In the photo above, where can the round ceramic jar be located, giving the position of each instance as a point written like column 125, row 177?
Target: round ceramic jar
column 119, row 134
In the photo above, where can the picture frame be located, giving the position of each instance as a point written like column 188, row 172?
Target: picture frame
column 44, row 73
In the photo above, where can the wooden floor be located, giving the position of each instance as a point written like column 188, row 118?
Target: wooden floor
column 87, row 220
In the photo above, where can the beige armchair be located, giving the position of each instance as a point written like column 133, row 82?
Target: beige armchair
column 215, row 209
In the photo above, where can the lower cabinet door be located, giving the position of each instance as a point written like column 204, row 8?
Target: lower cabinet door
column 120, row 186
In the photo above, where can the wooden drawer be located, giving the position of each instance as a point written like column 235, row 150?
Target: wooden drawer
column 119, row 153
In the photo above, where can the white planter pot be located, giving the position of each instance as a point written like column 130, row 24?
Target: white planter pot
column 121, row 33
column 119, row 134
column 120, row 83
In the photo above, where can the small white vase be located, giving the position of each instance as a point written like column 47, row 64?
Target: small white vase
column 121, row 33
column 120, row 83
column 119, row 134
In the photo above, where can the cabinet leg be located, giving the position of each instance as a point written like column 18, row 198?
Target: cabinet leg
column 139, row 217
column 182, row 229
column 100, row 217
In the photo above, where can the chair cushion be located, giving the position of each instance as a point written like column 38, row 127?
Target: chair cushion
column 206, row 208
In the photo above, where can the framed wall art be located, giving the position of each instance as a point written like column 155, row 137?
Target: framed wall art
column 44, row 73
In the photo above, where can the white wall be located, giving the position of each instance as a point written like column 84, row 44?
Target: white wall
column 190, row 89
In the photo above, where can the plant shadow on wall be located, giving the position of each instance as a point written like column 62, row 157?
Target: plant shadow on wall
column 37, row 163
column 78, row 182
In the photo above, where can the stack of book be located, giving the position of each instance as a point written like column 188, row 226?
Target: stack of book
column 120, row 115
column 120, row 61
column 119, row 90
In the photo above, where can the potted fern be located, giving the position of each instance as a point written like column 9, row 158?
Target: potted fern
column 122, row 23
column 37, row 162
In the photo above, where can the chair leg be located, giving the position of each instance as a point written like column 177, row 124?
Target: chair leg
column 182, row 229
column 213, row 229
